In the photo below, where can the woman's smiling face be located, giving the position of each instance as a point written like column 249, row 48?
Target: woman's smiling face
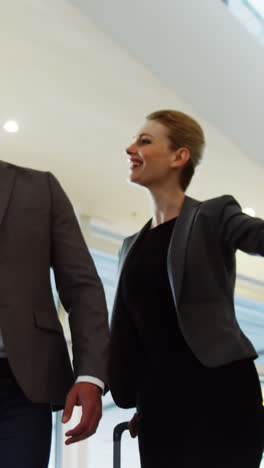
column 150, row 156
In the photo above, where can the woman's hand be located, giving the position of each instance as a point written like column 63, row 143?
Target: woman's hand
column 133, row 426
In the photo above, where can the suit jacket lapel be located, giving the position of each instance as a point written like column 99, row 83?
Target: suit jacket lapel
column 178, row 246
column 176, row 251
column 7, row 179
column 124, row 255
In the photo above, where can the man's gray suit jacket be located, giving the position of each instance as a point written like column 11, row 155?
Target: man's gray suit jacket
column 201, row 270
column 38, row 230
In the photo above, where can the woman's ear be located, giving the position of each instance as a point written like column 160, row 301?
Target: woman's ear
column 181, row 157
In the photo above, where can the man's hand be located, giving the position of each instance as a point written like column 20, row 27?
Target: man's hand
column 88, row 396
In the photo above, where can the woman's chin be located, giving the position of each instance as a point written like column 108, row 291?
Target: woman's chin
column 132, row 178
column 135, row 178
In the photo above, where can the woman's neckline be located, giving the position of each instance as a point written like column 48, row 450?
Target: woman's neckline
column 163, row 224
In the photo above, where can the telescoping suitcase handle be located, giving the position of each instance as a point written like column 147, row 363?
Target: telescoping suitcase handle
column 117, row 434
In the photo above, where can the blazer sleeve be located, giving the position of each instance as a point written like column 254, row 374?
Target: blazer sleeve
column 240, row 231
column 79, row 287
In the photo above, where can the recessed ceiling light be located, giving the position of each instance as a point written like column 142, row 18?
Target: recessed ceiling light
column 11, row 126
column 249, row 211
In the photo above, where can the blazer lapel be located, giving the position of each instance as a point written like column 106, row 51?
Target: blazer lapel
column 124, row 255
column 176, row 251
column 7, row 179
column 178, row 245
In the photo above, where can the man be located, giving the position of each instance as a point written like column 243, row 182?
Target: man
column 39, row 231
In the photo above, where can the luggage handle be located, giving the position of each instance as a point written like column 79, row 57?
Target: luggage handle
column 117, row 434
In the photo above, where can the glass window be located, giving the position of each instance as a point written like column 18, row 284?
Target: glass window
column 106, row 265
column 251, row 14
column 250, row 315
column 257, row 5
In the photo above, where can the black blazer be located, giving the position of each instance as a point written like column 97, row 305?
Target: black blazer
column 201, row 269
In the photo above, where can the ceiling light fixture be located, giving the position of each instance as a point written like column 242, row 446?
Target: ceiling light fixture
column 11, row 126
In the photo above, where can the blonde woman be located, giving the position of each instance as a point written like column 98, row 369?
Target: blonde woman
column 177, row 352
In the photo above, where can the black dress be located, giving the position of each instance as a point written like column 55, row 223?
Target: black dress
column 190, row 415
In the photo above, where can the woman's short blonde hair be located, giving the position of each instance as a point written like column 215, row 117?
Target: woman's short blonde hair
column 183, row 132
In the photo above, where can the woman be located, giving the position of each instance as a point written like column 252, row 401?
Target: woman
column 177, row 352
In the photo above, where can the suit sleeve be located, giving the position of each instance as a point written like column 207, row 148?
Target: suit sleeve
column 79, row 287
column 240, row 231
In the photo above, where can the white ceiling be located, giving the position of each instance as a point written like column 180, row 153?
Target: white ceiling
column 201, row 51
column 79, row 96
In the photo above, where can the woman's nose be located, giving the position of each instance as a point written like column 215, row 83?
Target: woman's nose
column 131, row 149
